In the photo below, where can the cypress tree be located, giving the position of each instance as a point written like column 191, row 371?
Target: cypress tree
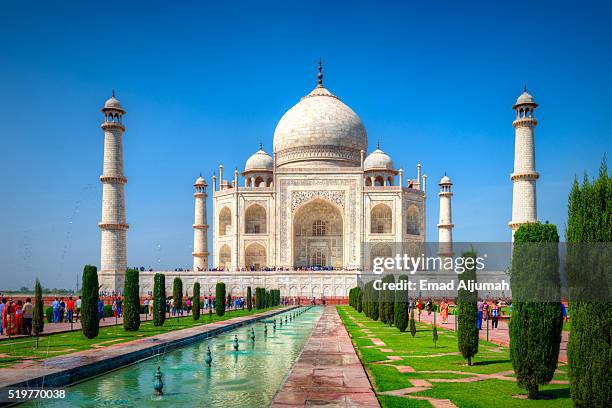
column 159, row 299
column 537, row 318
column 131, row 313
column 434, row 332
column 220, row 298
column 229, row 300
column 249, row 299
column 358, row 299
column 90, row 323
column 38, row 321
column 412, row 323
column 387, row 301
column 177, row 294
column 195, row 305
column 589, row 256
column 467, row 313
column 400, row 312
column 376, row 302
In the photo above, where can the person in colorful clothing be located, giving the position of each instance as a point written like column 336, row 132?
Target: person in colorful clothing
column 494, row 315
column 444, row 311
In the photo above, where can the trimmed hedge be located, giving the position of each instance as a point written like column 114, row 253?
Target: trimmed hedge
column 249, row 299
column 90, row 323
column 159, row 299
column 467, row 316
column 220, row 298
column 400, row 311
column 131, row 312
column 195, row 304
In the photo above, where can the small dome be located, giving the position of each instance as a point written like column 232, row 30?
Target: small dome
column 378, row 160
column 445, row 180
column 113, row 103
column 200, row 181
column 525, row 98
column 260, row 161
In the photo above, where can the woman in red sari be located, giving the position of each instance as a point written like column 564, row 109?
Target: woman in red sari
column 444, row 311
column 18, row 315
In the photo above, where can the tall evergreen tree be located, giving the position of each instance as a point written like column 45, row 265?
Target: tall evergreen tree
column 196, row 305
column 177, row 294
column 220, row 298
column 413, row 329
column 249, row 299
column 467, row 313
column 376, row 303
column 387, row 301
column 159, row 299
column 402, row 299
column 358, row 299
column 38, row 321
column 90, row 323
column 589, row 256
column 537, row 317
column 131, row 313
column 229, row 300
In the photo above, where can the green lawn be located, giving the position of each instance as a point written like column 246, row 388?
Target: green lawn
column 17, row 350
column 421, row 354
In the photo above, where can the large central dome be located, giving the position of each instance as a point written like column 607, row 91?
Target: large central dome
column 319, row 131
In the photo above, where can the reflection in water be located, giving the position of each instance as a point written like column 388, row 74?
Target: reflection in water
column 248, row 377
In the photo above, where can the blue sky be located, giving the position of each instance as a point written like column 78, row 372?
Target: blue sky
column 204, row 83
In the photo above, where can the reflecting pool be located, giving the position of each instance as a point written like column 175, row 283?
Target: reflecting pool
column 248, row 377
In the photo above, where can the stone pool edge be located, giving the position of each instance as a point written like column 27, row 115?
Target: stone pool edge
column 136, row 350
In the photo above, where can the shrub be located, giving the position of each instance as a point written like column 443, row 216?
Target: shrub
column 535, row 327
column 387, row 300
column 220, row 299
column 90, row 323
column 249, row 299
column 49, row 314
column 177, row 294
column 467, row 317
column 131, row 304
column 195, row 305
column 38, row 321
column 400, row 312
column 412, row 324
column 159, row 299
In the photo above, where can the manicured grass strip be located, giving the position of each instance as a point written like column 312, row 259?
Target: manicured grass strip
column 421, row 355
column 18, row 350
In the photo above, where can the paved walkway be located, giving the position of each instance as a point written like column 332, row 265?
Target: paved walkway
column 499, row 336
column 69, row 368
column 328, row 372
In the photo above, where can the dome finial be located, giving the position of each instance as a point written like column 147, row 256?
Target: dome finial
column 260, row 146
column 320, row 75
column 113, row 92
column 378, row 145
column 524, row 86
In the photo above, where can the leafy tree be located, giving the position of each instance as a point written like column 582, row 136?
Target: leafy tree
column 220, row 298
column 589, row 256
column 131, row 313
column 249, row 299
column 467, row 313
column 400, row 312
column 159, row 299
column 177, row 294
column 38, row 321
column 537, row 317
column 412, row 324
column 195, row 305
column 90, row 323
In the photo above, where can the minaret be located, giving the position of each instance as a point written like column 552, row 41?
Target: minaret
column 445, row 224
column 113, row 226
column 200, row 228
column 524, row 208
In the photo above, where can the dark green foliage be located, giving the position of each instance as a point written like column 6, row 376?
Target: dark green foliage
column 375, row 298
column 467, row 317
column 359, row 299
column 260, row 298
column 89, row 302
column 249, row 299
column 387, row 300
column 195, row 304
column 229, row 300
column 177, row 294
column 159, row 299
column 131, row 304
column 38, row 321
column 412, row 323
column 402, row 299
column 535, row 327
column 589, row 256
column 434, row 334
column 220, row 298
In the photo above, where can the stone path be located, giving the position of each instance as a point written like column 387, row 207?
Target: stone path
column 499, row 336
column 328, row 372
column 67, row 369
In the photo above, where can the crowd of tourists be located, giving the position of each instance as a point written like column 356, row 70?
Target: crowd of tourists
column 16, row 316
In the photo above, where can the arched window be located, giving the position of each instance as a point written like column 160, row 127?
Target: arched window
column 269, row 182
column 381, row 219
column 259, row 182
column 379, row 181
column 413, row 223
column 255, row 220
column 225, row 221
column 225, row 256
column 255, row 256
column 318, row 258
column 368, row 181
column 318, row 228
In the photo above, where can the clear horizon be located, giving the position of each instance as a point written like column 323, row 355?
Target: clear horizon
column 205, row 83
